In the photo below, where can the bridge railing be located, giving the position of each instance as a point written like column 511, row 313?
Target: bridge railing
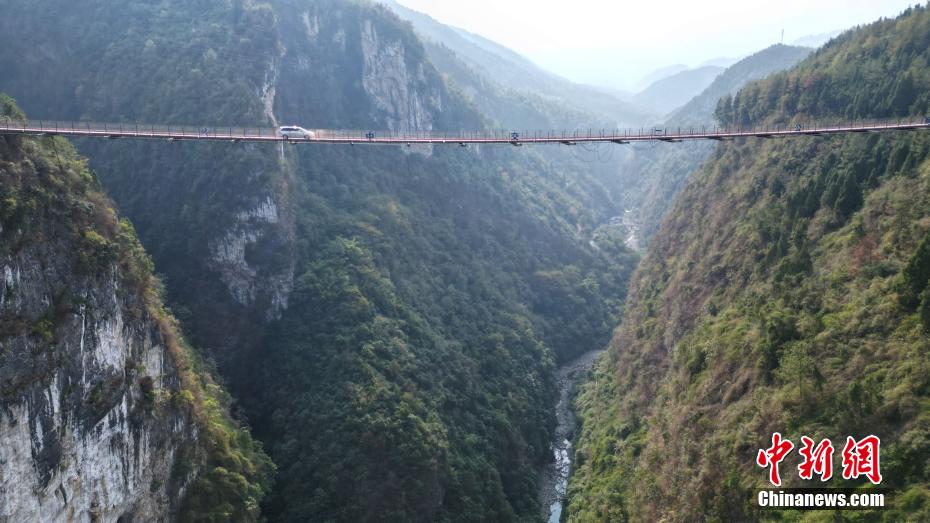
column 129, row 129
column 657, row 131
column 497, row 135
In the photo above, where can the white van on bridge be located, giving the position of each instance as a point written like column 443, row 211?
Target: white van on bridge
column 294, row 132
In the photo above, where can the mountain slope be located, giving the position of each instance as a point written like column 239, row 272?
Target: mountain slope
column 509, row 108
column 106, row 414
column 387, row 319
column 786, row 291
column 659, row 74
column 816, row 40
column 514, row 94
column 517, row 74
column 652, row 175
column 671, row 92
column 772, row 59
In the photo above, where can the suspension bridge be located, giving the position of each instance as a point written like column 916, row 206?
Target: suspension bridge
column 508, row 137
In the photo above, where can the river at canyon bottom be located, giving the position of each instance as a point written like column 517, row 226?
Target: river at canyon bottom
column 554, row 476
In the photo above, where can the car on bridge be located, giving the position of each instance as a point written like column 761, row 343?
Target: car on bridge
column 293, row 132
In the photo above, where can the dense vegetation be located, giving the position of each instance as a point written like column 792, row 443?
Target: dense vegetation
column 423, row 341
column 652, row 175
column 512, row 93
column 785, row 292
column 48, row 194
column 409, row 376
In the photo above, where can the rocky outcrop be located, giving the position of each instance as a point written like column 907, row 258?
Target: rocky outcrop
column 106, row 415
column 312, row 24
column 89, row 429
column 392, row 86
column 269, row 89
column 247, row 281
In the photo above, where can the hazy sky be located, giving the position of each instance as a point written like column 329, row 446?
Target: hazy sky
column 615, row 43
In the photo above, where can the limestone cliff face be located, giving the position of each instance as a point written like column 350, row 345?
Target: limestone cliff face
column 259, row 222
column 247, row 282
column 393, row 87
column 87, row 429
column 358, row 66
column 91, row 428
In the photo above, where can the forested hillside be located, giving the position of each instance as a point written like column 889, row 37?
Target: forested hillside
column 786, row 291
column 515, row 94
column 652, row 175
column 387, row 319
column 105, row 411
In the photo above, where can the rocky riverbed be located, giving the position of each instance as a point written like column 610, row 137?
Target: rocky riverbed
column 554, row 476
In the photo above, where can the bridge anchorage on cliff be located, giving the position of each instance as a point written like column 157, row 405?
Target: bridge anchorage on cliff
column 173, row 133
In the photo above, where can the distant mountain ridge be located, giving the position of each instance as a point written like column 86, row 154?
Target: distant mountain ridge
column 700, row 109
column 673, row 91
column 653, row 175
column 817, row 40
column 660, row 73
column 516, row 73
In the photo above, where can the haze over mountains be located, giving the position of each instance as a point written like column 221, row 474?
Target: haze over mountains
column 615, row 44
column 661, row 92
column 203, row 331
column 515, row 73
column 816, row 40
column 673, row 91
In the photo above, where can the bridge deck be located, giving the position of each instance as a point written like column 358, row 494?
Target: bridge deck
column 327, row 136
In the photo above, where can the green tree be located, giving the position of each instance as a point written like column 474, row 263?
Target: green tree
column 916, row 274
